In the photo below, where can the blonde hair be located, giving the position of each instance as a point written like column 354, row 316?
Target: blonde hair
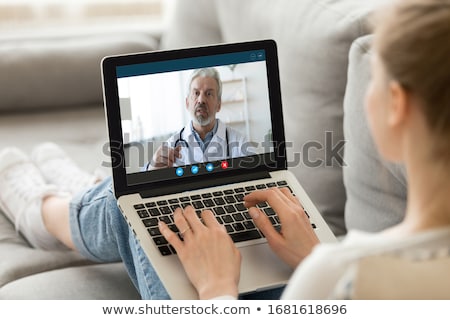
column 412, row 39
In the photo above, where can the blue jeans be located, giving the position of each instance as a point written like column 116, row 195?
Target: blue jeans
column 100, row 233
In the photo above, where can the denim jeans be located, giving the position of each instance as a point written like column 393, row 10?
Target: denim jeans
column 100, row 233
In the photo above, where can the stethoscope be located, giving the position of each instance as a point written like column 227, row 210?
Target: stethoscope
column 180, row 141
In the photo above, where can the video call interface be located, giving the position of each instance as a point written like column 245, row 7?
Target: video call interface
column 160, row 109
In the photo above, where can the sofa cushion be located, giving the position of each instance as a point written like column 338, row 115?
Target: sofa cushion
column 18, row 259
column 314, row 38
column 376, row 189
column 54, row 72
column 96, row 282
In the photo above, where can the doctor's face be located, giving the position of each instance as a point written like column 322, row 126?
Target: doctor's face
column 203, row 101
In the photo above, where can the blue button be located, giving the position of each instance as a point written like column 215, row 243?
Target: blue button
column 194, row 169
column 209, row 167
column 179, row 172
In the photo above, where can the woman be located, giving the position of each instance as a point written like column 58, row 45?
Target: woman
column 408, row 108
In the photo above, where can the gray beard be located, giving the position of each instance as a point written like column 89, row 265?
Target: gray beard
column 202, row 121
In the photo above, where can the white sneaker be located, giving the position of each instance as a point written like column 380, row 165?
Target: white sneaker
column 58, row 169
column 22, row 189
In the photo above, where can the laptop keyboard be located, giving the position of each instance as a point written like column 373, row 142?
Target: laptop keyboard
column 227, row 205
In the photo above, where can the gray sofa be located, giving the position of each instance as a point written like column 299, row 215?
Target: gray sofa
column 51, row 91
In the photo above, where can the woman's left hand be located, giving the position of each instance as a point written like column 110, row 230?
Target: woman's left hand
column 207, row 253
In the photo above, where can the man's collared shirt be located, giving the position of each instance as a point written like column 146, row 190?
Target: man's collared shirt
column 205, row 142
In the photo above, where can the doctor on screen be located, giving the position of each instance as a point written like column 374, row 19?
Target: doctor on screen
column 204, row 138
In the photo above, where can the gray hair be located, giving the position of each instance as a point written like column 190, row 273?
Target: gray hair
column 206, row 72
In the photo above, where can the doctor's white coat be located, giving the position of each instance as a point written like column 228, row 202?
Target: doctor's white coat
column 191, row 152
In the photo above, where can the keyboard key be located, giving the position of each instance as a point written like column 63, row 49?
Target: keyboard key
column 154, row 231
column 227, row 219
column 219, row 210
column 173, row 228
column 230, row 208
column 250, row 188
column 282, row 183
column 143, row 214
column 219, row 201
column 269, row 212
column 198, row 205
column 151, row 222
column 206, row 195
column 161, row 203
column 229, row 228
column 165, row 210
column 238, row 217
column 165, row 219
column 208, row 203
column 271, row 184
column 217, row 193
column 159, row 241
column 262, row 205
column 239, row 190
column 239, row 197
column 240, row 207
column 150, row 204
column 196, row 197
column 229, row 191
column 246, row 235
column 139, row 206
column 249, row 225
column 154, row 212
column 260, row 186
column 173, row 201
column 230, row 199
column 238, row 226
column 184, row 199
column 165, row 250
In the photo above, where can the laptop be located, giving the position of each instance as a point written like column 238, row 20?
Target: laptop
column 145, row 103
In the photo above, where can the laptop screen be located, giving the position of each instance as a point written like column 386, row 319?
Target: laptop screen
column 194, row 113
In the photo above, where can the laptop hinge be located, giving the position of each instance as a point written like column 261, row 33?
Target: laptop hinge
column 188, row 186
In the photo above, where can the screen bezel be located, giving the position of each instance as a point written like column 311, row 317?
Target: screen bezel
column 266, row 162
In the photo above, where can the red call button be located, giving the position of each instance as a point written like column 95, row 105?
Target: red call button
column 224, row 164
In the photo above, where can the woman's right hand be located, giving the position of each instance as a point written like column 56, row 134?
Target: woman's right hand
column 297, row 238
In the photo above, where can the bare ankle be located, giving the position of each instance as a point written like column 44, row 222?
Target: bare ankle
column 55, row 214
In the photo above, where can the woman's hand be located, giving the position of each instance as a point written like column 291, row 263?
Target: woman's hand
column 209, row 256
column 297, row 238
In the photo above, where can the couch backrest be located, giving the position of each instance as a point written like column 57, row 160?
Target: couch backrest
column 314, row 38
column 376, row 189
column 59, row 72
